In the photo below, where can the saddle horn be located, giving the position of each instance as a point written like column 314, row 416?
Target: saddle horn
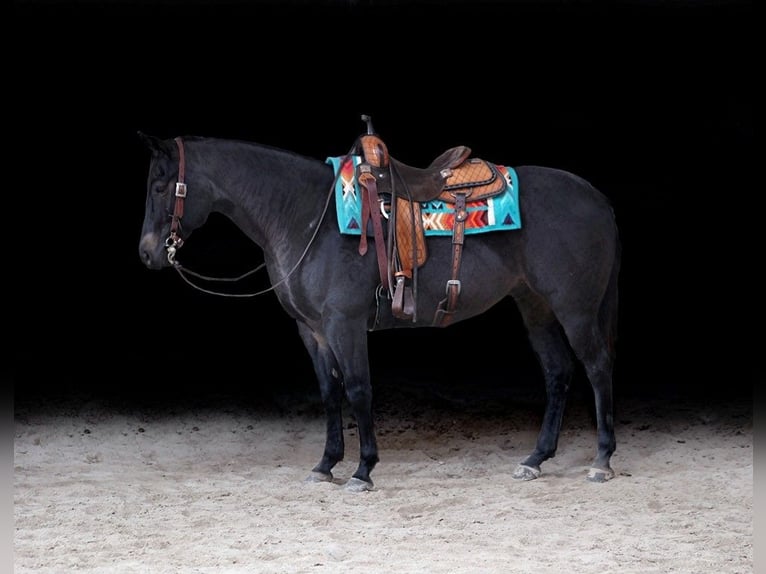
column 374, row 150
column 368, row 120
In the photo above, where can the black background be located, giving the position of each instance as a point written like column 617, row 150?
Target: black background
column 650, row 101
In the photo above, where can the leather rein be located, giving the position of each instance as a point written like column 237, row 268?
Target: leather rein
column 174, row 241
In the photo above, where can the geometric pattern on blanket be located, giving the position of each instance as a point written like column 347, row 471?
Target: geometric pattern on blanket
column 497, row 213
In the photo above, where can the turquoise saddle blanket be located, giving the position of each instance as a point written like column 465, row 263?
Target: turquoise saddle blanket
column 498, row 213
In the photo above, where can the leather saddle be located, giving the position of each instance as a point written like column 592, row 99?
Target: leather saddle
column 454, row 178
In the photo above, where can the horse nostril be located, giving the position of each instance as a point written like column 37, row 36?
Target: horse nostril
column 146, row 247
column 146, row 257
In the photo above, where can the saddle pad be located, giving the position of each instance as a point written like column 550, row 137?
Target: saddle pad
column 497, row 213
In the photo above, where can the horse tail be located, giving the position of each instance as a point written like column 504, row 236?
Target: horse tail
column 608, row 312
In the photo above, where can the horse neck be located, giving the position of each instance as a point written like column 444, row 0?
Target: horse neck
column 274, row 196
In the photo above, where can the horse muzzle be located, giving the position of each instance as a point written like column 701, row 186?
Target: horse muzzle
column 152, row 251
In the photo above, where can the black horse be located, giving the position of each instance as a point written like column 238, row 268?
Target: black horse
column 561, row 268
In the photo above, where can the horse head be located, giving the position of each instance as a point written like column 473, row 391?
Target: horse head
column 169, row 218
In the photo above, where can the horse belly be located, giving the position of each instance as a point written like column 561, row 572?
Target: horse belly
column 489, row 270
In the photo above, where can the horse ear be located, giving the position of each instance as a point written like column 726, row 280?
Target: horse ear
column 154, row 144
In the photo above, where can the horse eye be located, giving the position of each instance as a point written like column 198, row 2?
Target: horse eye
column 159, row 187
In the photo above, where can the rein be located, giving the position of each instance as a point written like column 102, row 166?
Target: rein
column 174, row 241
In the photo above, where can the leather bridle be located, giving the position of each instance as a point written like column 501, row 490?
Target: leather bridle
column 174, row 241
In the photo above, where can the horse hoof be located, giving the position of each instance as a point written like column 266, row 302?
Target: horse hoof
column 358, row 485
column 524, row 472
column 600, row 474
column 319, row 477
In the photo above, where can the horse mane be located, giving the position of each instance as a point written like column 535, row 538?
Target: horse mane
column 250, row 143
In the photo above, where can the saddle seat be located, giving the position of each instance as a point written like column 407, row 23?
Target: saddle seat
column 425, row 184
column 451, row 173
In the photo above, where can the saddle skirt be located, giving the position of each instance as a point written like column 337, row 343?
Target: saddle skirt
column 497, row 212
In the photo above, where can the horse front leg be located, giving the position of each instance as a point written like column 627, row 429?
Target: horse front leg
column 331, row 390
column 359, row 393
column 355, row 367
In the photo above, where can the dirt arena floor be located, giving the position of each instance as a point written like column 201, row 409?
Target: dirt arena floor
column 215, row 484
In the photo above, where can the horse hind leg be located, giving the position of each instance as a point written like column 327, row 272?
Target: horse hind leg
column 599, row 373
column 598, row 361
column 557, row 362
column 593, row 346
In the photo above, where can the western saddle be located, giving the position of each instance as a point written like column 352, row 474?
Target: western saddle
column 392, row 187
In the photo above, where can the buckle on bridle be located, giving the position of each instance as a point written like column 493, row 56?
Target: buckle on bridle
column 180, row 189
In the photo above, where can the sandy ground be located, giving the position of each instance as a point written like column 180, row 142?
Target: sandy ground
column 216, row 485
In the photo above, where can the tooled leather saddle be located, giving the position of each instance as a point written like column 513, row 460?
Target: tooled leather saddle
column 391, row 186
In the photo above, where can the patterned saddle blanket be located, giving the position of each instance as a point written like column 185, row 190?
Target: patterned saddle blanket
column 497, row 213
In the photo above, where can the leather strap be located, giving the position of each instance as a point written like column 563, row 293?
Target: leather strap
column 371, row 210
column 446, row 309
column 178, row 208
column 365, row 218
